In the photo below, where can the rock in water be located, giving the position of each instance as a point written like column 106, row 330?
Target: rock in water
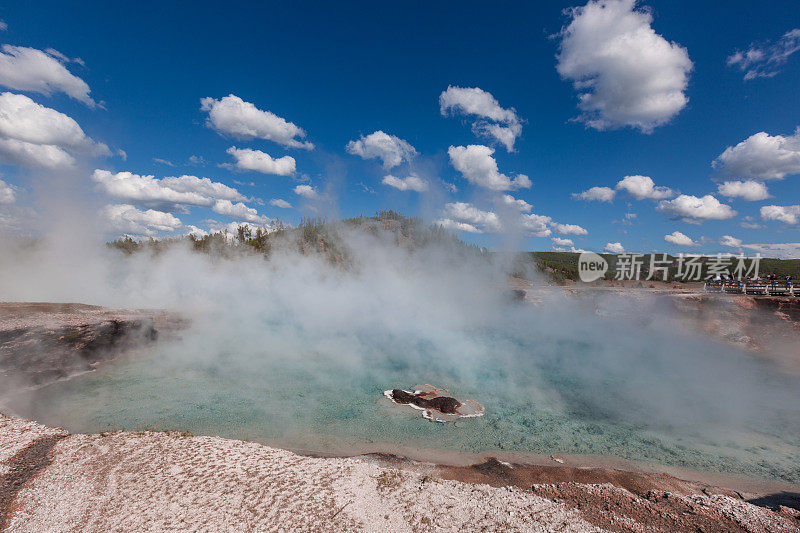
column 434, row 406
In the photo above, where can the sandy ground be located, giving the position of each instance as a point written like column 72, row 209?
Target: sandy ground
column 155, row 481
column 165, row 482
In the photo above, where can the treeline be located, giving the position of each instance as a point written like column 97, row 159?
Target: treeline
column 313, row 234
column 563, row 266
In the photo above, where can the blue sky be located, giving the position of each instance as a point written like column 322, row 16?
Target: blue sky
column 341, row 72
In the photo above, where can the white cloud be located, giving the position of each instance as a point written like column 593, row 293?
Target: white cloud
column 247, row 159
column 536, row 225
column 3, row 25
column 596, row 194
column 466, row 217
column 454, row 225
column 233, row 116
column 128, row 219
column 763, row 60
column 568, row 229
column 8, row 194
column 474, row 101
column 278, row 202
column 787, row 250
column 571, row 249
column 411, row 183
column 516, row 203
column 239, row 211
column 625, row 73
column 679, row 239
column 694, row 209
column 746, row 190
column 167, row 193
column 34, row 135
column 558, row 241
column 505, row 135
column 306, row 191
column 14, row 152
column 29, row 69
column 733, row 242
column 494, row 121
column 787, row 214
column 23, row 119
column 643, row 187
column 196, row 232
column 762, row 157
column 478, row 166
column 390, row 149
column 614, row 248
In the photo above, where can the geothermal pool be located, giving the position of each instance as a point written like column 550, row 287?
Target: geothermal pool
column 550, row 382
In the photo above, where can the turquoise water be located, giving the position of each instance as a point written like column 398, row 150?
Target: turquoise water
column 550, row 384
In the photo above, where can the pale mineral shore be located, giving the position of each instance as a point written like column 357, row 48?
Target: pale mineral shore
column 161, row 481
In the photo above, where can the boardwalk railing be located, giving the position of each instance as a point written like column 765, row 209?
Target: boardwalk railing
column 756, row 288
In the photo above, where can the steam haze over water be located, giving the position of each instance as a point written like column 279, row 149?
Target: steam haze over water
column 297, row 351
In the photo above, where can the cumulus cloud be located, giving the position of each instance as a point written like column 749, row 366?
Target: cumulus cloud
column 679, row 239
column 476, row 164
column 787, row 214
column 464, row 216
column 411, row 183
column 391, row 150
column 494, row 121
column 306, row 191
column 596, row 194
column 694, row 209
column 614, row 248
column 23, row 119
column 14, row 152
column 558, row 241
column 278, row 202
column 35, row 135
column 733, row 242
column 568, row 229
column 126, row 218
column 167, row 194
column 764, row 60
column 233, row 116
column 762, row 157
column 247, row 159
column 239, row 211
column 8, row 193
column 536, row 225
column 196, row 232
column 643, row 187
column 29, row 69
column 455, row 225
column 516, row 203
column 625, row 73
column 746, row 190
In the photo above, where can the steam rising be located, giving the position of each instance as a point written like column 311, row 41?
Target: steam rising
column 297, row 350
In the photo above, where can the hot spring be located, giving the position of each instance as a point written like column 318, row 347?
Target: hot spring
column 297, row 353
